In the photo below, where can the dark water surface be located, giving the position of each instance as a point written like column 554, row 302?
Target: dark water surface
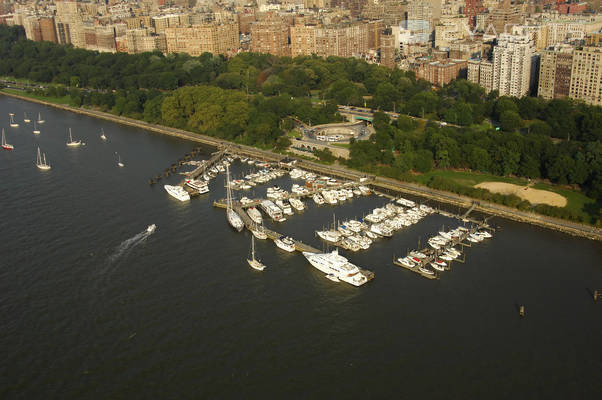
column 90, row 307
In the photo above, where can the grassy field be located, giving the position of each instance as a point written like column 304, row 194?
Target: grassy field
column 468, row 178
column 343, row 145
column 294, row 134
column 56, row 100
column 576, row 201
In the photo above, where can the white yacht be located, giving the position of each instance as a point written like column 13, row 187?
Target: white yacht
column 426, row 271
column 330, row 236
column 337, row 265
column 297, row 204
column 199, row 185
column 178, row 192
column 272, row 210
column 319, row 200
column 151, row 228
column 437, row 267
column 41, row 162
column 254, row 262
column 255, row 215
column 406, row 262
column 286, row 208
column 285, row 243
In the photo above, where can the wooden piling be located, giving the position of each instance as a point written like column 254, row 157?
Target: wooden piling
column 521, row 311
column 596, row 295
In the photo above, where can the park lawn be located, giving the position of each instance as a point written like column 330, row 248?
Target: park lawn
column 466, row 178
column 19, row 80
column 295, row 134
column 56, row 100
column 576, row 201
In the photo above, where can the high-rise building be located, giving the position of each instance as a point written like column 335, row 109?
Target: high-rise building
column 198, row 39
column 586, row 75
column 502, row 18
column 270, row 37
column 555, row 72
column 481, row 73
column 512, row 59
column 387, row 49
column 48, row 29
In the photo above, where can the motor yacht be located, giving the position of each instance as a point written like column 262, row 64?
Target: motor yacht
column 151, row 228
column 285, row 243
column 177, row 192
column 329, row 236
column 339, row 266
column 406, row 262
column 255, row 215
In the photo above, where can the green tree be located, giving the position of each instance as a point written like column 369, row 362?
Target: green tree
column 509, row 121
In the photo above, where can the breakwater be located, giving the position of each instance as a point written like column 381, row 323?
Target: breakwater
column 379, row 183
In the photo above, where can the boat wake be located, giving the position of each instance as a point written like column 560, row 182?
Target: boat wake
column 128, row 245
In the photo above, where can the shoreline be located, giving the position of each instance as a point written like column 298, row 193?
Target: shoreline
column 387, row 184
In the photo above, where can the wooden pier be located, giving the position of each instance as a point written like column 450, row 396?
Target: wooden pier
column 299, row 245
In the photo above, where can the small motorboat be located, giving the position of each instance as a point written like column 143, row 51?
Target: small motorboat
column 151, row 228
column 436, row 266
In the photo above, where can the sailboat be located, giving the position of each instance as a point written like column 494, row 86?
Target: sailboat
column 119, row 163
column 12, row 123
column 40, row 120
column 253, row 262
column 35, row 128
column 259, row 232
column 102, row 134
column 233, row 218
column 71, row 142
column 5, row 145
column 25, row 119
column 41, row 162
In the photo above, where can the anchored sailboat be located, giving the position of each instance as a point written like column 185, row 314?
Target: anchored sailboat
column 233, row 218
column 5, row 145
column 41, row 162
column 40, row 120
column 119, row 163
column 12, row 122
column 102, row 134
column 253, row 262
column 25, row 119
column 71, row 142
column 36, row 131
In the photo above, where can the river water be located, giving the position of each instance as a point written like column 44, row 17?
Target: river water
column 91, row 307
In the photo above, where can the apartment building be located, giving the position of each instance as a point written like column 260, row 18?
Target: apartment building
column 512, row 59
column 341, row 40
column 198, row 39
column 270, row 36
column 586, row 77
column 555, row 72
